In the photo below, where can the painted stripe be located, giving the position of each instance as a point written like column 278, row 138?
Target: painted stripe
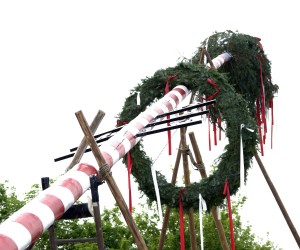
column 111, row 152
column 87, row 169
column 81, row 177
column 55, row 204
column 173, row 103
column 74, row 186
column 43, row 212
column 7, row 243
column 168, row 105
column 62, row 193
column 107, row 157
column 175, row 98
column 18, row 233
column 119, row 147
column 32, row 223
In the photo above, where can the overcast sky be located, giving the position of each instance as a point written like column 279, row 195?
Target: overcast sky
column 59, row 57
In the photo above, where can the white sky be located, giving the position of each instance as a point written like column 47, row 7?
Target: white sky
column 59, row 57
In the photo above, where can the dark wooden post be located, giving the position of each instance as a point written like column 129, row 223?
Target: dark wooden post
column 278, row 200
column 106, row 175
column 52, row 238
column 187, row 183
column 203, row 174
column 168, row 210
column 96, row 211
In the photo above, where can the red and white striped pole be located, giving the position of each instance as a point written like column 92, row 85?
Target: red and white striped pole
column 26, row 225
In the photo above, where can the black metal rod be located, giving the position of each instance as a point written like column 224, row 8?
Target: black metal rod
column 189, row 107
column 152, row 124
column 138, row 135
column 168, row 128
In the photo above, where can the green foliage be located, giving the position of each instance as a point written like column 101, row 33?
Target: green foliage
column 9, row 202
column 117, row 236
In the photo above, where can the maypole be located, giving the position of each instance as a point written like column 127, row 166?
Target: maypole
column 26, row 225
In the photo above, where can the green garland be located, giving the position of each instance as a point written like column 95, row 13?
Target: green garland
column 239, row 81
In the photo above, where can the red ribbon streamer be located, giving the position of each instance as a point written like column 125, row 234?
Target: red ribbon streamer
column 272, row 121
column 129, row 167
column 209, row 139
column 181, row 218
column 227, row 193
column 258, row 120
column 167, row 89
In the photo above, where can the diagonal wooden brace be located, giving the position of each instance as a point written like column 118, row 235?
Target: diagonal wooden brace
column 111, row 182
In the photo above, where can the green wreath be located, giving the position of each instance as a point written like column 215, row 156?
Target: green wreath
column 237, row 103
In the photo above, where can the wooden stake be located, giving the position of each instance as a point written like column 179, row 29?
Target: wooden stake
column 203, row 174
column 105, row 169
column 83, row 145
column 278, row 200
column 168, row 210
column 187, row 183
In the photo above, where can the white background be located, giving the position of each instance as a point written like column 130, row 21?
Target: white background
column 59, row 57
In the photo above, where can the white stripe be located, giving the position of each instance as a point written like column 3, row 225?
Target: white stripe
column 142, row 119
column 127, row 145
column 111, row 151
column 62, row 193
column 82, row 178
column 152, row 112
column 179, row 95
column 18, row 233
column 133, row 130
column 43, row 212
column 173, row 103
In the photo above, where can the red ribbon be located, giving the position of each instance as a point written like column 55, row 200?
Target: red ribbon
column 271, row 105
column 258, row 120
column 129, row 167
column 209, row 139
column 227, row 193
column 167, row 89
column 181, row 220
column 120, row 123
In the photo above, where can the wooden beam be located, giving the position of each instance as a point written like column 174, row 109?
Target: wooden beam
column 278, row 200
column 105, row 169
column 83, row 145
column 203, row 174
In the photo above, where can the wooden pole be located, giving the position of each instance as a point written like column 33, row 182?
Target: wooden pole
column 203, row 174
column 168, row 209
column 105, row 170
column 96, row 211
column 278, row 200
column 83, row 145
column 187, row 183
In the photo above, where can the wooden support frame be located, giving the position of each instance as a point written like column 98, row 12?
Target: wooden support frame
column 107, row 176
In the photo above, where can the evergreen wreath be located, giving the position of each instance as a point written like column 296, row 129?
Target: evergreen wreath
column 238, row 102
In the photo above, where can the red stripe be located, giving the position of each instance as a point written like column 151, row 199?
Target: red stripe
column 168, row 104
column 32, row 223
column 7, row 243
column 119, row 147
column 138, row 125
column 131, row 138
column 55, row 204
column 180, row 90
column 74, row 186
column 87, row 169
column 148, row 117
column 108, row 159
column 158, row 110
column 175, row 98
